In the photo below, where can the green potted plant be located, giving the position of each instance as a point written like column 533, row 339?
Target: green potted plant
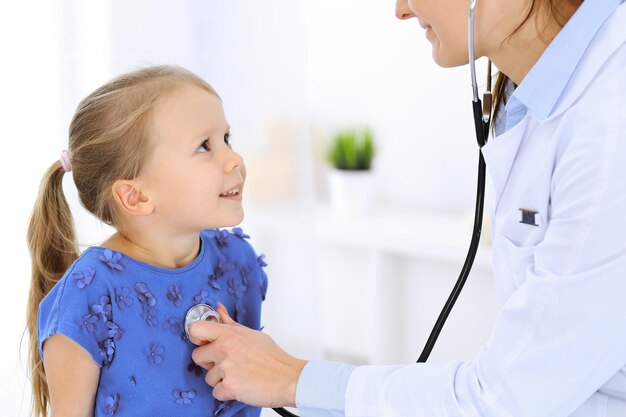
column 351, row 179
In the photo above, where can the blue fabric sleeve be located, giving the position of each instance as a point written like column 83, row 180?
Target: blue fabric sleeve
column 66, row 310
column 321, row 389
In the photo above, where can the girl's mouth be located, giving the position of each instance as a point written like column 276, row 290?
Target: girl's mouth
column 232, row 193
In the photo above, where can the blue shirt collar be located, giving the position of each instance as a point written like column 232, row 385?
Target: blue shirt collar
column 544, row 84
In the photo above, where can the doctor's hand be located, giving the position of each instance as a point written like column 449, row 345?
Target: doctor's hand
column 244, row 364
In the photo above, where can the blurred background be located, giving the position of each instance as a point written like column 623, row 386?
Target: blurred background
column 358, row 285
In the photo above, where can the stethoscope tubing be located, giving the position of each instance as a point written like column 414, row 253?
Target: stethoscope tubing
column 481, row 126
column 482, row 121
column 467, row 265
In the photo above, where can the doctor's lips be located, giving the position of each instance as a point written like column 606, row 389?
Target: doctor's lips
column 233, row 193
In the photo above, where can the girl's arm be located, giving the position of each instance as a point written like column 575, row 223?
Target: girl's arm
column 72, row 377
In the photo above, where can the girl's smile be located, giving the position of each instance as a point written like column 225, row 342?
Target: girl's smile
column 234, row 193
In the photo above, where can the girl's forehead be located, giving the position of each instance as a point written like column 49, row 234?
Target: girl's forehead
column 186, row 112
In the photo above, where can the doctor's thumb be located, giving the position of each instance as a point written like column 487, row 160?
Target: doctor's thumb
column 221, row 310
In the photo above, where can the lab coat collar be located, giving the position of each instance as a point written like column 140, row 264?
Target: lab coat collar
column 529, row 104
column 543, row 86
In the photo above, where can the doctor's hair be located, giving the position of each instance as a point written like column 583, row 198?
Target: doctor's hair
column 108, row 141
column 554, row 11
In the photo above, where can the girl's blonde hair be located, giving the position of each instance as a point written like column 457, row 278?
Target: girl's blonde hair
column 554, row 11
column 108, row 141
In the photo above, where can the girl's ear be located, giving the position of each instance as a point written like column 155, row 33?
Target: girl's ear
column 131, row 200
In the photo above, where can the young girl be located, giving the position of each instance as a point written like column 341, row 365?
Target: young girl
column 150, row 154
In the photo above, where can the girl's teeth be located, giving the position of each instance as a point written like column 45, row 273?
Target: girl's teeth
column 231, row 192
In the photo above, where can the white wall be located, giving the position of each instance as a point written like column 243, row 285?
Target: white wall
column 289, row 72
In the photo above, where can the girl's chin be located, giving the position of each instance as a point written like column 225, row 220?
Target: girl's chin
column 233, row 220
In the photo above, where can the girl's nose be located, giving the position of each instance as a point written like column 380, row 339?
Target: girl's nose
column 233, row 161
column 403, row 11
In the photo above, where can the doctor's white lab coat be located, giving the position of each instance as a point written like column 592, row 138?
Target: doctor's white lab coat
column 559, row 233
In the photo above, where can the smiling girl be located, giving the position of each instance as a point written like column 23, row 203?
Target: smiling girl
column 150, row 154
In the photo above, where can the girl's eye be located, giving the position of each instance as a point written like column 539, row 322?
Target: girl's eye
column 228, row 140
column 204, row 146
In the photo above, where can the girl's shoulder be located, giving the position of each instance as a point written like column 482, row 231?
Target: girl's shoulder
column 233, row 247
column 89, row 275
column 95, row 261
column 234, row 243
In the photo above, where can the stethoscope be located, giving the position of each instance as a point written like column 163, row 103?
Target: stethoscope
column 200, row 312
column 482, row 119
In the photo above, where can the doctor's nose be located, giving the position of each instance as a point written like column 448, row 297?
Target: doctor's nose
column 403, row 11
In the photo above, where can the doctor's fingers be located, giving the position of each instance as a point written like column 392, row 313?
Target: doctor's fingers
column 205, row 356
column 227, row 344
column 220, row 380
column 223, row 312
column 214, row 376
column 223, row 392
column 201, row 332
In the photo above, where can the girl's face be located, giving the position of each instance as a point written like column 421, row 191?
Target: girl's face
column 446, row 23
column 193, row 176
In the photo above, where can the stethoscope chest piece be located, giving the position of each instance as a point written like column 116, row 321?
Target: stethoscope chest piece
column 200, row 312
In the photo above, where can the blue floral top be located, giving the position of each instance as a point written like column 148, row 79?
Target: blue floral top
column 129, row 316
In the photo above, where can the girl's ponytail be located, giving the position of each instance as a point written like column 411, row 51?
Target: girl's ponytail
column 53, row 248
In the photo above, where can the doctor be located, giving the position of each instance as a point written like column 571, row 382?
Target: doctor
column 558, row 169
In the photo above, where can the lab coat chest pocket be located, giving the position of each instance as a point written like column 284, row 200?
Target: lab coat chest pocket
column 523, row 211
column 521, row 227
column 510, row 263
column 525, row 222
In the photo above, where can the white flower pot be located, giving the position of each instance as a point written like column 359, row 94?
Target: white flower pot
column 351, row 192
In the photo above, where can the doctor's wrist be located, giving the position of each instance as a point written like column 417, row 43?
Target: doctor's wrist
column 294, row 371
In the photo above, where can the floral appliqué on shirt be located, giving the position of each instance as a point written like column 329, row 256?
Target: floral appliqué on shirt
column 172, row 324
column 111, row 404
column 84, row 277
column 184, row 397
column 111, row 259
column 223, row 266
column 107, row 351
column 174, row 295
column 222, row 236
column 122, row 298
column 147, row 300
column 237, row 231
column 154, row 353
